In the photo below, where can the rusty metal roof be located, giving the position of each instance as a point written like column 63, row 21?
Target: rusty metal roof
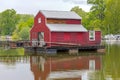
column 66, row 27
column 60, row 14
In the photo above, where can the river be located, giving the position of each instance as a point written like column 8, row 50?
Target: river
column 15, row 64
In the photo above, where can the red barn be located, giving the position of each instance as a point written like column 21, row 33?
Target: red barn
column 56, row 28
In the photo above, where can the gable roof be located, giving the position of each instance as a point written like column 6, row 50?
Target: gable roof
column 60, row 14
column 66, row 28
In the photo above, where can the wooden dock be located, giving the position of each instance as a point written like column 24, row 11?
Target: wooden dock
column 70, row 50
column 14, row 44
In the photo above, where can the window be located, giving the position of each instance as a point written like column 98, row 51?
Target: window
column 91, row 35
column 39, row 20
column 91, row 64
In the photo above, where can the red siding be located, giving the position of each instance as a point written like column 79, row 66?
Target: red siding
column 40, row 27
column 39, row 15
column 71, row 21
column 97, row 40
column 98, row 37
column 81, row 38
column 68, row 37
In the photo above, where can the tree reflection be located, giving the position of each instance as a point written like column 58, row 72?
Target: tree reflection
column 13, row 60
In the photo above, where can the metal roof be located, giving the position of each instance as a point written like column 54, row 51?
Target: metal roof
column 60, row 14
column 66, row 27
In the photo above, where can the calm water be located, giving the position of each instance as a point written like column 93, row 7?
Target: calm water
column 85, row 66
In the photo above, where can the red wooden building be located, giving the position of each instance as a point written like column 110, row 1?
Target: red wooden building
column 56, row 28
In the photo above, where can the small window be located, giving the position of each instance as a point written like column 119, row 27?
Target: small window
column 39, row 20
column 91, row 35
column 91, row 64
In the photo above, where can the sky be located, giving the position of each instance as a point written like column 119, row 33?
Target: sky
column 33, row 6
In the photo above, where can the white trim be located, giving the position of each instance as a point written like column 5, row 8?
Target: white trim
column 92, row 36
column 39, row 20
column 91, row 64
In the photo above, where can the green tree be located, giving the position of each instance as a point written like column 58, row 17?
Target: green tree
column 22, row 29
column 98, row 8
column 112, row 16
column 0, row 24
column 88, row 18
column 24, row 33
column 104, row 15
column 8, row 21
column 97, row 14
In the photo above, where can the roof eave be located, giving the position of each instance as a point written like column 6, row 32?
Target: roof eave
column 64, row 18
column 68, row 31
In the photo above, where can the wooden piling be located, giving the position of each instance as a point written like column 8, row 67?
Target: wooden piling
column 73, row 51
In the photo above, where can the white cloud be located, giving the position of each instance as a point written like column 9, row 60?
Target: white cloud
column 33, row 6
column 76, row 1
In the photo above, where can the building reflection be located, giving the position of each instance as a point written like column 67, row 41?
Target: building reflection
column 64, row 68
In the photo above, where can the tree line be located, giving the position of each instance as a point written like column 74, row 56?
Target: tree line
column 15, row 25
column 104, row 15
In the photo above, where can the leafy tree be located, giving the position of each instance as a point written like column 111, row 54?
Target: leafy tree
column 8, row 21
column 88, row 18
column 104, row 15
column 112, row 17
column 98, row 8
column 22, row 29
column 97, row 14
column 24, row 33
column 0, row 24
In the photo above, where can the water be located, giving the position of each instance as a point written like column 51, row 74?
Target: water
column 17, row 65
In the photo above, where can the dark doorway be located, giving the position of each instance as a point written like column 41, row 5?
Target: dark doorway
column 40, row 36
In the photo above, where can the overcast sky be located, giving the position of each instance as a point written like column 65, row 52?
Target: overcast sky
column 33, row 6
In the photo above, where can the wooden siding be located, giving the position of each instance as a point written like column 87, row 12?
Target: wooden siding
column 72, row 21
column 39, row 15
column 63, row 21
column 67, row 37
column 40, row 27
column 55, row 21
column 97, row 40
column 78, row 38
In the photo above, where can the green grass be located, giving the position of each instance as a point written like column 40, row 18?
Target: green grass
column 11, row 52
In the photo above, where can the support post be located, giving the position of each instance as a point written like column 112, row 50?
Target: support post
column 73, row 51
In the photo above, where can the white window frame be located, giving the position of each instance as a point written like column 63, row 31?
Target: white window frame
column 91, row 64
column 39, row 20
column 92, row 37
